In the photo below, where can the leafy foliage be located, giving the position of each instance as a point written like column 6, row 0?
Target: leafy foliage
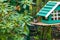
column 22, row 5
column 13, row 25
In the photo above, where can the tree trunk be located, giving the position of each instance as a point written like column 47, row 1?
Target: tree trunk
column 38, row 5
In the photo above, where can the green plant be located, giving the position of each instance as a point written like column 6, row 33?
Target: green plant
column 22, row 5
column 13, row 25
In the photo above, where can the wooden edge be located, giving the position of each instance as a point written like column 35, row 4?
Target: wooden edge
column 44, row 24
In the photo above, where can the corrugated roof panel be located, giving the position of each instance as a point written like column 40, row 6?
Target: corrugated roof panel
column 46, row 8
column 44, row 12
column 51, row 2
column 41, row 14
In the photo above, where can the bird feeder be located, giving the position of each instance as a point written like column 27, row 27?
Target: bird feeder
column 50, row 13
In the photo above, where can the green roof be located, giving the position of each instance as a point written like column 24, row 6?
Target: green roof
column 47, row 8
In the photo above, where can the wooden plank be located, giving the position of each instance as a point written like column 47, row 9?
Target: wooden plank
column 44, row 24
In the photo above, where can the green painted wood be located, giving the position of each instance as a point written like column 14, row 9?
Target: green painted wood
column 46, row 9
column 51, row 21
column 58, row 8
column 43, row 12
column 48, row 6
column 51, row 3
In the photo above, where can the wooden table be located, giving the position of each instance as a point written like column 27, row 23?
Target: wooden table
column 44, row 25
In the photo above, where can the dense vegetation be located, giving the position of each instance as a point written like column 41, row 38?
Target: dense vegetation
column 15, row 15
column 14, row 18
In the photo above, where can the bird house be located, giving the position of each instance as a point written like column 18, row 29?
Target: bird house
column 50, row 13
